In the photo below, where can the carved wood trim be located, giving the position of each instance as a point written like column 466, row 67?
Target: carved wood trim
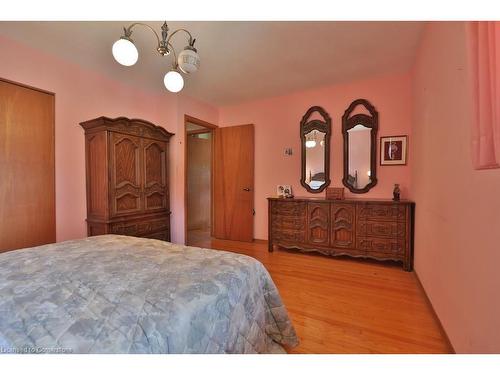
column 137, row 127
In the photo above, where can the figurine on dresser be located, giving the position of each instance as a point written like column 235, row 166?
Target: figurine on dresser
column 396, row 193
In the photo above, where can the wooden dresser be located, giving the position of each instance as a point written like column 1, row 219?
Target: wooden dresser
column 378, row 229
column 127, row 178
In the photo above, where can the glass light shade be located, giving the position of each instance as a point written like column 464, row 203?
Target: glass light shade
column 125, row 52
column 310, row 144
column 188, row 60
column 173, row 81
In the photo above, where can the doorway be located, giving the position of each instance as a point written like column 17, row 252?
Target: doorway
column 199, row 136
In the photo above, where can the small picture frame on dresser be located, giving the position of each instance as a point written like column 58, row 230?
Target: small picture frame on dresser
column 280, row 191
column 287, row 191
column 335, row 193
column 284, row 191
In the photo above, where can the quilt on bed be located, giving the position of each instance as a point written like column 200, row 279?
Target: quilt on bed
column 118, row 294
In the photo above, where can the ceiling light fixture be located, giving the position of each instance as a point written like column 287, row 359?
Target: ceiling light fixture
column 188, row 60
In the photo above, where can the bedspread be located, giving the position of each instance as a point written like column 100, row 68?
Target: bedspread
column 119, row 294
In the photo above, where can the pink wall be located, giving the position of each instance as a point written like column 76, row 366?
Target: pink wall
column 81, row 95
column 277, row 127
column 458, row 208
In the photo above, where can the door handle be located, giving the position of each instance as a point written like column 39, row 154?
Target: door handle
column 246, row 189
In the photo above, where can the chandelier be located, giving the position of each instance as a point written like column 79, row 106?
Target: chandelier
column 187, row 62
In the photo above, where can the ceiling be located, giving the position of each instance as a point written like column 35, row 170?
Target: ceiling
column 240, row 61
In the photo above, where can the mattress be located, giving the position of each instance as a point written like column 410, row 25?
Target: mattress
column 119, row 294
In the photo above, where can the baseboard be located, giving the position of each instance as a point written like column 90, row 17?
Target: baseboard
column 434, row 312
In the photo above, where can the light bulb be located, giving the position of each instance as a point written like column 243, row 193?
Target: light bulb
column 189, row 60
column 310, row 144
column 125, row 52
column 173, row 81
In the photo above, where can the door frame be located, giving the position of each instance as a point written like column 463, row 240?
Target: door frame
column 211, row 127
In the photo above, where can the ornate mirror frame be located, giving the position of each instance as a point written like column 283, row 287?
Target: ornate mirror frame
column 370, row 121
column 325, row 127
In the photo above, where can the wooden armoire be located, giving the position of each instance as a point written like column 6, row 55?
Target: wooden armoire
column 127, row 178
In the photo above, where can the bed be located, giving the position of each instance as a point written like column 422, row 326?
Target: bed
column 119, row 294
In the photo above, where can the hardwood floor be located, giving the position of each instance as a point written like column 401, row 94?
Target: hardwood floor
column 341, row 305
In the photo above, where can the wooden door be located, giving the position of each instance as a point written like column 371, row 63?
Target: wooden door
column 27, row 162
column 125, row 186
column 155, row 175
column 234, row 183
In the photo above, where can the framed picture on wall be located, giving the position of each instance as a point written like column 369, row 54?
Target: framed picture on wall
column 393, row 150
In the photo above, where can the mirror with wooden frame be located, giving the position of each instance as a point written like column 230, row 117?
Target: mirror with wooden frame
column 359, row 130
column 315, row 131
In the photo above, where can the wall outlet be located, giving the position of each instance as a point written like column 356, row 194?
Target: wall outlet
column 288, row 151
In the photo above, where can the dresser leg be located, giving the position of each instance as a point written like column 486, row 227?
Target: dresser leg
column 407, row 266
column 270, row 247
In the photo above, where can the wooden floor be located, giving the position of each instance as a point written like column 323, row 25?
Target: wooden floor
column 341, row 305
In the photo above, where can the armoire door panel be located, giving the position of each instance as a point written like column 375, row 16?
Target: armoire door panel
column 318, row 215
column 343, row 224
column 155, row 170
column 125, row 174
column 155, row 174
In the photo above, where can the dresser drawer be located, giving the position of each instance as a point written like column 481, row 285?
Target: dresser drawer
column 289, row 235
column 388, row 212
column 140, row 227
column 289, row 208
column 290, row 222
column 382, row 229
column 381, row 245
